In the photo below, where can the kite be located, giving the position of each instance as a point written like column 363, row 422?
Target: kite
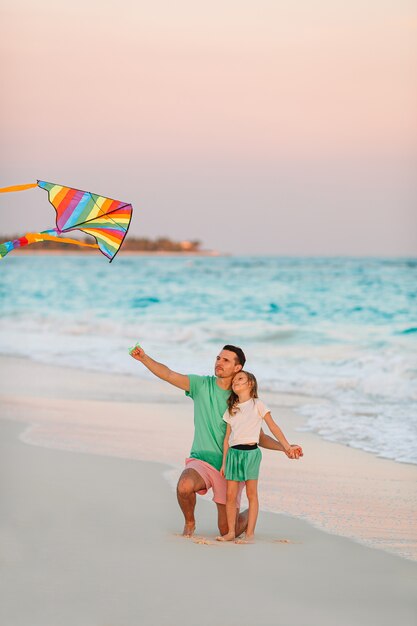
column 105, row 219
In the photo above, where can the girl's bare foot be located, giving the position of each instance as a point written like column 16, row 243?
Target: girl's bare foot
column 188, row 530
column 227, row 537
column 247, row 539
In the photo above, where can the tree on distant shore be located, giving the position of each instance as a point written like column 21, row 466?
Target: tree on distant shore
column 162, row 244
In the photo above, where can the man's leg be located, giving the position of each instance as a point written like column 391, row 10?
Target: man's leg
column 189, row 483
column 241, row 520
column 231, row 511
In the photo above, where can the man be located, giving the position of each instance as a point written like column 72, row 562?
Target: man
column 210, row 394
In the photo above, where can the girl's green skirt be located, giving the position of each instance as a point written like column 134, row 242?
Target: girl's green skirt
column 243, row 464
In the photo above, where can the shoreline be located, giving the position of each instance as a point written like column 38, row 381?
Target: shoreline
column 341, row 490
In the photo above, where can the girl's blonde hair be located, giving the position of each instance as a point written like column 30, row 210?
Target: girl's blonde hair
column 234, row 398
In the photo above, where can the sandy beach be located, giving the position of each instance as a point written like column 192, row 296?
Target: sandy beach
column 90, row 538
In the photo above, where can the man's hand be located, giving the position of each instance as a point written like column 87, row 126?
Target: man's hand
column 138, row 353
column 294, row 451
column 270, row 443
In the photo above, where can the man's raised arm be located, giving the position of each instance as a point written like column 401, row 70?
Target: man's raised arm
column 160, row 370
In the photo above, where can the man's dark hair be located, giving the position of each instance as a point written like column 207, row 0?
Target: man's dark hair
column 239, row 353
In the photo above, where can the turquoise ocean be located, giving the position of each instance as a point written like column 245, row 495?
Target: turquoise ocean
column 341, row 330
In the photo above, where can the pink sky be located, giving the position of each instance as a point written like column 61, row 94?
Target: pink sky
column 294, row 122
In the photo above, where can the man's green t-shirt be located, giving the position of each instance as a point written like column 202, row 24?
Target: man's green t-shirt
column 210, row 403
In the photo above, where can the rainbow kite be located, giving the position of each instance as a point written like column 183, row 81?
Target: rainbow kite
column 105, row 219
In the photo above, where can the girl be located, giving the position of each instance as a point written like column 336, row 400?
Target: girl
column 241, row 455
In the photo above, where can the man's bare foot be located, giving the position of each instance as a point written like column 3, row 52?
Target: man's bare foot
column 227, row 537
column 188, row 530
column 247, row 539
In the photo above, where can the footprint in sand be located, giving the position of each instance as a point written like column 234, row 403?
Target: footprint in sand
column 196, row 539
column 203, row 541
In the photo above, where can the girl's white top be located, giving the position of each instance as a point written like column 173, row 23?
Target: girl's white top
column 246, row 423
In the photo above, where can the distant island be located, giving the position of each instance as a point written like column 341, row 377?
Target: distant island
column 139, row 245
column 162, row 244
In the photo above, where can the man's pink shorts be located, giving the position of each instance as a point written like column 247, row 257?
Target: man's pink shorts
column 214, row 480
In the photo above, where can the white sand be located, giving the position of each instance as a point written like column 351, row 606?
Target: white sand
column 91, row 540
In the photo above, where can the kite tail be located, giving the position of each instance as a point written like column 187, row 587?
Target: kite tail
column 46, row 236
column 18, row 187
column 8, row 246
column 5, row 248
column 29, row 238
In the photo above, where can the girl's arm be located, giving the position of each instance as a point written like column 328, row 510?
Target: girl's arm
column 225, row 448
column 277, row 432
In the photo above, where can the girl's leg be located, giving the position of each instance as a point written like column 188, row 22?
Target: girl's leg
column 231, row 496
column 252, row 495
